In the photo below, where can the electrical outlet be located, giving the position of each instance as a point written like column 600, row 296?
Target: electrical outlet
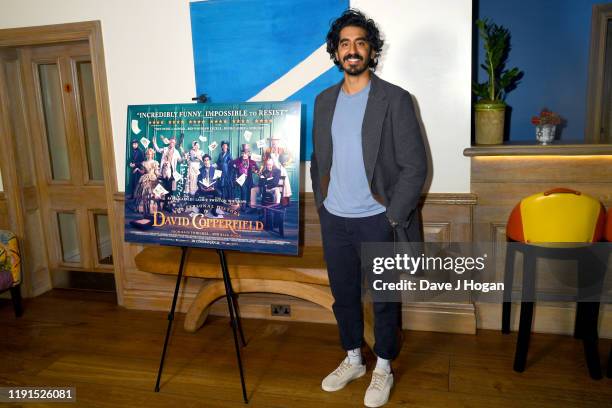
column 280, row 310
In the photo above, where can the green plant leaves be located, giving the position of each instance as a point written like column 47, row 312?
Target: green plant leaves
column 496, row 43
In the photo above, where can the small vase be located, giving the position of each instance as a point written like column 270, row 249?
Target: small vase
column 545, row 134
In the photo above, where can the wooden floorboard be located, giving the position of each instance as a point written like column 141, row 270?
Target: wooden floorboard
column 111, row 354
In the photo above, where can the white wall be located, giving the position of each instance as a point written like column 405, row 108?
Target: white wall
column 428, row 53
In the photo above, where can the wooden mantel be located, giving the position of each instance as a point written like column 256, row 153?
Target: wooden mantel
column 514, row 149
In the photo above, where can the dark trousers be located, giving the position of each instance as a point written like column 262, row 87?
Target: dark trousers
column 227, row 189
column 245, row 193
column 167, row 185
column 134, row 177
column 342, row 238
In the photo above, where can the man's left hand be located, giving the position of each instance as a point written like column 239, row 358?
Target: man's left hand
column 392, row 221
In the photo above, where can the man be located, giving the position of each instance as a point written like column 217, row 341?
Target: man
column 224, row 163
column 244, row 167
column 169, row 172
column 268, row 183
column 207, row 189
column 136, row 159
column 282, row 159
column 274, row 151
column 368, row 168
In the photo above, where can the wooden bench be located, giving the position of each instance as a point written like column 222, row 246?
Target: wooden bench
column 304, row 277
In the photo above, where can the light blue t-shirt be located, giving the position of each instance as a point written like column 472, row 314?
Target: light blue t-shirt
column 349, row 194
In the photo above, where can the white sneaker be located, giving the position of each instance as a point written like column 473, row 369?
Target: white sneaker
column 377, row 393
column 345, row 373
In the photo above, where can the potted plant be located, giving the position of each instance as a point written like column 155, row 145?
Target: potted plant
column 546, row 124
column 491, row 108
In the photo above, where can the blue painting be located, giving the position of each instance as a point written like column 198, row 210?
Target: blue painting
column 265, row 50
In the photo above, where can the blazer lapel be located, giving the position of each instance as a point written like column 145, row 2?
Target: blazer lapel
column 324, row 139
column 371, row 129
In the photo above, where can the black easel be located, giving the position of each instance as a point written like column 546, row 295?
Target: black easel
column 232, row 306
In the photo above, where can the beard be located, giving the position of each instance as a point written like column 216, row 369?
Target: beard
column 357, row 69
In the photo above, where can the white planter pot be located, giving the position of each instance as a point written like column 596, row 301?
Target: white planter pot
column 545, row 134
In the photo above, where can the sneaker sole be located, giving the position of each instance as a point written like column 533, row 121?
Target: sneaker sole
column 376, row 405
column 380, row 404
column 341, row 386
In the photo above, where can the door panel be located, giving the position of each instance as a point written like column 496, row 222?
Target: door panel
column 606, row 117
column 58, row 80
column 102, row 239
column 69, row 238
column 87, row 101
column 53, row 117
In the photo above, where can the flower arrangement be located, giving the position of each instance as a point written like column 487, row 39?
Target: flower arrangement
column 546, row 117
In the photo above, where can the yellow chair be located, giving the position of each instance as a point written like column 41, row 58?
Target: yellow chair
column 557, row 224
column 10, row 269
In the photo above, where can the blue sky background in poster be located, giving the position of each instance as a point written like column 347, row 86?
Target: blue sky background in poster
column 240, row 47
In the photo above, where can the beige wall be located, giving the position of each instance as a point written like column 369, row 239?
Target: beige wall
column 138, row 36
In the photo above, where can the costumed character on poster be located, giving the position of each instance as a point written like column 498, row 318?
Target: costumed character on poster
column 203, row 196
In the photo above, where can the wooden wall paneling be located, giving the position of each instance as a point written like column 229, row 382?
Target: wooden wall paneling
column 437, row 232
column 448, row 214
column 542, row 169
column 557, row 318
column 447, row 217
column 500, row 183
column 144, row 290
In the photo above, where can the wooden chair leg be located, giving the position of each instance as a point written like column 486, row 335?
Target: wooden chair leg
column 16, row 298
column 522, row 343
column 506, row 313
column 579, row 321
column 527, row 303
column 508, row 281
column 589, row 293
column 609, row 372
column 590, row 339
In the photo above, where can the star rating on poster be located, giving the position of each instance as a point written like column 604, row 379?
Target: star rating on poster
column 206, row 122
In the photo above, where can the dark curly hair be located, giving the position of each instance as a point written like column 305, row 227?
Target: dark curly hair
column 355, row 18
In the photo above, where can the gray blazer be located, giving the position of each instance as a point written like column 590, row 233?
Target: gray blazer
column 393, row 152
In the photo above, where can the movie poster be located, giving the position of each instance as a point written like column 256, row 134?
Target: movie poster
column 222, row 176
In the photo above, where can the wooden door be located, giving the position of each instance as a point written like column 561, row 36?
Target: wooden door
column 606, row 111
column 60, row 99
